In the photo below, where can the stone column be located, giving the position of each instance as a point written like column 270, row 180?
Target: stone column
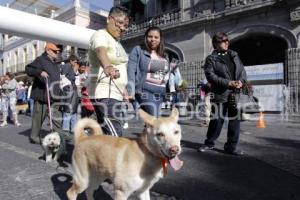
column 76, row 3
column 227, row 3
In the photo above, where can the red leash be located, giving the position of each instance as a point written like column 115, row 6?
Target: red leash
column 49, row 107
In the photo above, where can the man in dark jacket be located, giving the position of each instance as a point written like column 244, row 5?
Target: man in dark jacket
column 226, row 74
column 41, row 69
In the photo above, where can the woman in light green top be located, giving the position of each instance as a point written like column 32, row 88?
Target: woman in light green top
column 108, row 61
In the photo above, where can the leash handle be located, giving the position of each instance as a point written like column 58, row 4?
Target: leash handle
column 48, row 102
column 111, row 80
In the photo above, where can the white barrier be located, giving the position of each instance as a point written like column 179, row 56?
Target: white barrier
column 15, row 22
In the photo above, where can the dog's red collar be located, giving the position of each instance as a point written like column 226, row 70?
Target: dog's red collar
column 164, row 163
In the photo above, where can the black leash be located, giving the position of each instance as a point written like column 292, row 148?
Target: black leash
column 111, row 80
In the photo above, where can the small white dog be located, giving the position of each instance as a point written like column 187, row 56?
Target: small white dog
column 51, row 145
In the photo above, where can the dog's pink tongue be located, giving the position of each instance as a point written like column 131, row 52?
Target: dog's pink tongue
column 175, row 163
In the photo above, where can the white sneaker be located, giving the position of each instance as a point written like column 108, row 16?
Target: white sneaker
column 125, row 126
column 3, row 124
column 17, row 124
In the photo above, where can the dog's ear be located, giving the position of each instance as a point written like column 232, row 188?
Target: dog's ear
column 175, row 114
column 148, row 119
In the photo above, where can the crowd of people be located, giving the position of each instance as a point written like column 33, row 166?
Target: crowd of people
column 104, row 86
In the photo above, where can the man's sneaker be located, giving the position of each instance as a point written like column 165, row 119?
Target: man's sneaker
column 204, row 148
column 235, row 152
column 17, row 124
column 3, row 124
column 125, row 126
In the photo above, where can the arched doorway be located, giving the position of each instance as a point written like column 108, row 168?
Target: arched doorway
column 174, row 52
column 172, row 55
column 264, row 56
column 258, row 49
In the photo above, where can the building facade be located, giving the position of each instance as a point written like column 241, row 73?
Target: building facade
column 17, row 52
column 266, row 33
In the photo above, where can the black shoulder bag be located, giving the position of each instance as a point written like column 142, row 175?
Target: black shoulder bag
column 246, row 102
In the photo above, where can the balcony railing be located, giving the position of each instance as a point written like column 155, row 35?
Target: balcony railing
column 233, row 3
column 175, row 16
column 232, row 6
column 11, row 40
column 20, row 67
column 237, row 3
column 169, row 18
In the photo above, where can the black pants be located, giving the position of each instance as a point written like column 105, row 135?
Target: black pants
column 40, row 112
column 218, row 113
column 108, row 113
column 85, row 112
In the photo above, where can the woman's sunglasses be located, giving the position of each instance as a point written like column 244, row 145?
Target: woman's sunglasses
column 224, row 40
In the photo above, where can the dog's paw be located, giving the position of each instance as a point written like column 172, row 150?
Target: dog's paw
column 48, row 158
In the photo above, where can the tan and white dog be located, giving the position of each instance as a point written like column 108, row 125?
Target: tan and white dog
column 133, row 165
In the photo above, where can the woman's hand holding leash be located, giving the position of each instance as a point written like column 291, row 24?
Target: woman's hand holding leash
column 235, row 84
column 126, row 98
column 111, row 72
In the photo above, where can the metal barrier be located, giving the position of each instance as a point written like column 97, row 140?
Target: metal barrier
column 169, row 18
column 192, row 72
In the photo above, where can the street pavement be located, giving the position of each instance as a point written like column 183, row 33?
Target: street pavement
column 269, row 170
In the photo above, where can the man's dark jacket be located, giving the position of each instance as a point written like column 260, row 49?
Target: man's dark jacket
column 34, row 69
column 218, row 74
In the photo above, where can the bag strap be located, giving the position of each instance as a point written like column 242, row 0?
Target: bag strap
column 247, row 89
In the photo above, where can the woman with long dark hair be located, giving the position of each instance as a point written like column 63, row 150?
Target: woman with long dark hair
column 148, row 71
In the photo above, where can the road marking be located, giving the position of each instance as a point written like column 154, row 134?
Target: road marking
column 246, row 132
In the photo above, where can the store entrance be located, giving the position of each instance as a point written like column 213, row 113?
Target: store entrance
column 258, row 49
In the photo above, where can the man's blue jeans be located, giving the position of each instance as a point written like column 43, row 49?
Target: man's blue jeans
column 69, row 120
